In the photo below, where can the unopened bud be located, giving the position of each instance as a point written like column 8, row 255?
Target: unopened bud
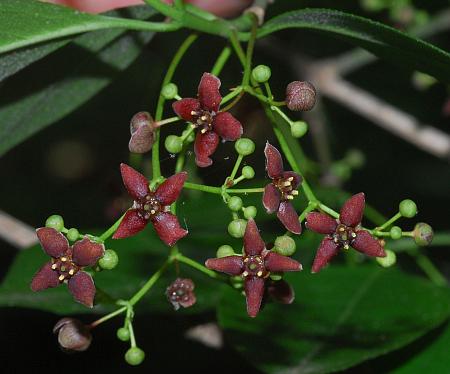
column 423, row 234
column 300, row 96
column 73, row 335
column 181, row 293
column 142, row 129
column 284, row 245
column 389, row 260
column 281, row 291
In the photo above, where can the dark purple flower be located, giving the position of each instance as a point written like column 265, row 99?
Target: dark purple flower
column 255, row 266
column 278, row 194
column 204, row 114
column 181, row 293
column 66, row 265
column 343, row 233
column 151, row 206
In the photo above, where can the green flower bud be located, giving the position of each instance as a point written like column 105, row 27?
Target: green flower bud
column 389, row 260
column 109, row 260
column 235, row 203
column 423, row 234
column 355, row 158
column 298, row 129
column 236, row 228
column 55, row 222
column 73, row 234
column 408, row 208
column 134, row 356
column 248, row 172
column 236, row 282
column 225, row 250
column 396, row 232
column 261, row 73
column 244, row 146
column 250, row 212
column 341, row 170
column 169, row 91
column 173, row 144
column 276, row 276
column 123, row 334
column 284, row 245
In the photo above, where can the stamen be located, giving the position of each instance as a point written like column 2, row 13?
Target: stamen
column 203, row 118
column 290, row 179
column 63, row 259
column 353, row 234
column 203, row 131
column 54, row 266
column 294, row 192
column 290, row 197
column 246, row 259
column 245, row 274
column 71, row 272
column 153, row 211
column 259, row 273
column 346, row 246
column 285, row 184
column 193, row 112
column 61, row 278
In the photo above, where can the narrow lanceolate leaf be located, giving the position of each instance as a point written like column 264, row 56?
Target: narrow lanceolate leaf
column 27, row 22
column 340, row 317
column 383, row 41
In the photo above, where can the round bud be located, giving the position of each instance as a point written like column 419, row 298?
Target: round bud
column 235, row 203
column 300, row 96
column 173, row 144
column 250, row 212
column 389, row 260
column 169, row 91
column 355, row 158
column 244, row 146
column 190, row 138
column 236, row 228
column 396, row 232
column 73, row 234
column 134, row 356
column 276, row 276
column 261, row 73
column 284, row 245
column 109, row 260
column 407, row 208
column 123, row 334
column 341, row 170
column 73, row 335
column 55, row 222
column 224, row 251
column 236, row 282
column 423, row 234
column 142, row 129
column 298, row 129
column 248, row 172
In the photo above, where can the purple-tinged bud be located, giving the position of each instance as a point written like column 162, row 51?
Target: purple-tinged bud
column 423, row 234
column 73, row 335
column 300, row 96
column 181, row 293
column 142, row 128
column 281, row 291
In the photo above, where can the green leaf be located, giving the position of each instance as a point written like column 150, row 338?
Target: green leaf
column 38, row 99
column 27, row 22
column 341, row 317
column 383, row 41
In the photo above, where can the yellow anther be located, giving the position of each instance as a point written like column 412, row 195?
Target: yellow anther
column 61, row 278
column 245, row 274
column 353, row 234
column 153, row 211
column 346, row 246
column 290, row 197
column 203, row 118
column 193, row 112
column 246, row 259
column 294, row 192
column 203, row 131
column 341, row 229
column 193, row 126
column 290, row 179
column 259, row 273
column 335, row 240
column 71, row 271
column 285, row 184
column 63, row 259
column 54, row 266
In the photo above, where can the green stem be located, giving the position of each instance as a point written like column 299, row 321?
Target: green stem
column 281, row 114
column 235, row 169
column 250, row 48
column 328, row 210
column 156, row 167
column 238, row 48
column 112, row 229
column 198, row 266
column 430, row 270
column 390, row 221
column 268, row 90
column 168, row 120
column 219, row 190
column 246, row 190
column 132, row 337
column 107, row 317
column 221, row 61
column 149, row 284
column 311, row 206
column 231, row 95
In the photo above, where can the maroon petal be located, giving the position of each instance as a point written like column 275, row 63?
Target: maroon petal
column 297, row 178
column 45, row 278
column 352, row 210
column 208, row 92
column 168, row 228
column 227, row 127
column 289, row 217
column 275, row 262
column 53, row 242
column 82, row 287
column 274, row 162
column 321, row 223
column 232, row 265
column 205, row 145
column 131, row 224
column 253, row 243
column 327, row 250
column 271, row 198
column 135, row 183
column 184, row 108
column 281, row 291
column 254, row 292
column 367, row 244
column 86, row 252
column 169, row 190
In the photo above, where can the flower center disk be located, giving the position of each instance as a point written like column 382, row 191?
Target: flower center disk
column 254, row 266
column 149, row 207
column 344, row 236
column 202, row 119
column 284, row 185
column 64, row 267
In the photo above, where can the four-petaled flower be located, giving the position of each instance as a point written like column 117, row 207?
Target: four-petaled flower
column 278, row 194
column 181, row 293
column 343, row 233
column 66, row 265
column 204, row 114
column 255, row 266
column 153, row 206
